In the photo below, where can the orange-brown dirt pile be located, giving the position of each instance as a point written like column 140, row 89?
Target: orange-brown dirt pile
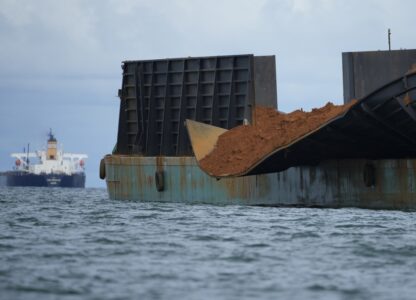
column 241, row 147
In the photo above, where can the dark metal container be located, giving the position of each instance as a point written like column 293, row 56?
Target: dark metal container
column 157, row 96
column 364, row 72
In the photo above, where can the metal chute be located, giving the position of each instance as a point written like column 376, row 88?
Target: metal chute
column 381, row 125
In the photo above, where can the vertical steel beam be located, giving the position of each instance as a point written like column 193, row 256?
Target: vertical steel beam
column 151, row 119
column 165, row 148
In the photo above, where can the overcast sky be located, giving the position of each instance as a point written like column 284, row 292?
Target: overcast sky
column 60, row 60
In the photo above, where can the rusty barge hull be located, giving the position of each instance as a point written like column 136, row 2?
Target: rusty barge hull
column 365, row 158
column 379, row 184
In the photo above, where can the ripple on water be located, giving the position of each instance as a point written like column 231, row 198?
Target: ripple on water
column 78, row 244
column 146, row 216
column 305, row 234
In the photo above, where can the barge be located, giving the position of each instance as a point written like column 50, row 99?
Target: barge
column 154, row 159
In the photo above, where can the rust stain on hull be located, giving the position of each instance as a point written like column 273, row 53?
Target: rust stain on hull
column 335, row 183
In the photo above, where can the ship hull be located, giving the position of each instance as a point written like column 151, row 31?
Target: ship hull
column 17, row 178
column 379, row 184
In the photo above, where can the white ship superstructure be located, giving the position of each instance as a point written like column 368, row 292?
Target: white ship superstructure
column 50, row 161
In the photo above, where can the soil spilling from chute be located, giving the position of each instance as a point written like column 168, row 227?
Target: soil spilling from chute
column 240, row 148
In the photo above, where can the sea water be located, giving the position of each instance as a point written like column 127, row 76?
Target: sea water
column 77, row 244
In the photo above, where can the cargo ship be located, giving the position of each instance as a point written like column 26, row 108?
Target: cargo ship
column 174, row 111
column 52, row 168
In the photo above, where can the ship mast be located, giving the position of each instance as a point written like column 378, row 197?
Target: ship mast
column 27, row 157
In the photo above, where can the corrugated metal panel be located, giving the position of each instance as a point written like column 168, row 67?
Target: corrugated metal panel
column 157, row 96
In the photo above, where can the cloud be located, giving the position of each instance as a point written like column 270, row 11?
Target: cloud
column 60, row 60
